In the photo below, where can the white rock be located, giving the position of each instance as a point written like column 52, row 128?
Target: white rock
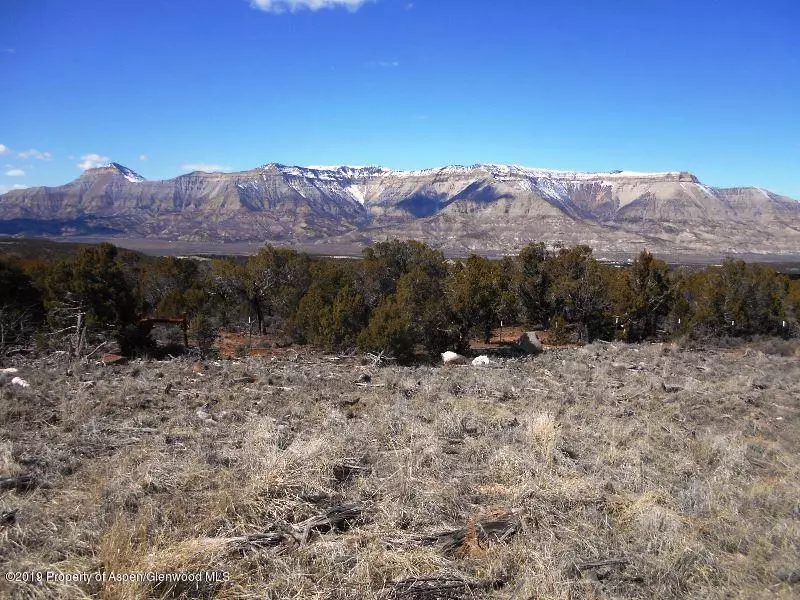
column 481, row 361
column 529, row 343
column 20, row 382
column 452, row 358
column 10, row 370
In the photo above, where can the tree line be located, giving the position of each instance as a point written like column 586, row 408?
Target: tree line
column 403, row 298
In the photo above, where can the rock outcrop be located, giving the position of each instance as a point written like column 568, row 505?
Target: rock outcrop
column 529, row 343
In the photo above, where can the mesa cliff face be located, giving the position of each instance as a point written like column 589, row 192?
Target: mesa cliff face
column 494, row 208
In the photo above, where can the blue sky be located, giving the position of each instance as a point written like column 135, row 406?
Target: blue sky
column 711, row 87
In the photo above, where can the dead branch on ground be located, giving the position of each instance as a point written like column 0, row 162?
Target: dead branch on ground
column 440, row 587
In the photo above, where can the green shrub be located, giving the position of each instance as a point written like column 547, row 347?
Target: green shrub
column 389, row 331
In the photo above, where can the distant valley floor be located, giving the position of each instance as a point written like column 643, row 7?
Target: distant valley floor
column 784, row 263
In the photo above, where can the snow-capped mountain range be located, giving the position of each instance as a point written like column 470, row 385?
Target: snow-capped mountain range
column 483, row 207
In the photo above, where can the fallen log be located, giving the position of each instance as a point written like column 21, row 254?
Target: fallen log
column 596, row 564
column 339, row 518
column 18, row 483
column 440, row 587
column 484, row 532
column 286, row 536
column 280, row 541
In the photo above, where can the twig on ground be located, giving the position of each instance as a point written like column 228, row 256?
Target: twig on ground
column 380, row 358
column 440, row 587
column 95, row 350
column 596, row 564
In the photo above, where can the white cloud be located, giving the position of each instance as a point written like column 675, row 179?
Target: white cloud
column 143, row 157
column 8, row 188
column 279, row 6
column 15, row 172
column 386, row 64
column 33, row 153
column 205, row 167
column 92, row 161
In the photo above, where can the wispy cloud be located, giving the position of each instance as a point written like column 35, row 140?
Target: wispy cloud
column 279, row 6
column 9, row 50
column 385, row 64
column 33, row 153
column 15, row 172
column 92, row 161
column 143, row 157
column 205, row 167
column 8, row 188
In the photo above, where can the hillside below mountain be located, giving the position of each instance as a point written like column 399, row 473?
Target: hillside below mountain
column 484, row 208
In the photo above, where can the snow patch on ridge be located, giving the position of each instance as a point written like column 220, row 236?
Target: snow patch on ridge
column 709, row 191
column 330, row 173
column 357, row 193
column 129, row 174
column 502, row 172
column 249, row 184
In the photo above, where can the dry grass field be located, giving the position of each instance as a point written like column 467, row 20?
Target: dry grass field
column 609, row 471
